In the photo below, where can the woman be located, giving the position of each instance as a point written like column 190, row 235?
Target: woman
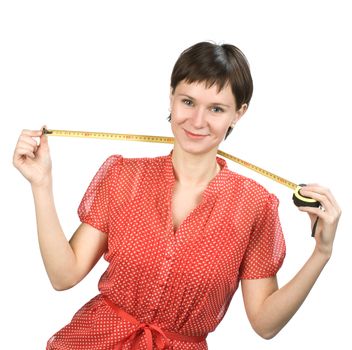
column 179, row 231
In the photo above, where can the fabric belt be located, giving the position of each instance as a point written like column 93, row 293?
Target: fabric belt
column 161, row 336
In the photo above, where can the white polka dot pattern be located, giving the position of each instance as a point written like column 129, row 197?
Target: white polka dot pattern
column 182, row 281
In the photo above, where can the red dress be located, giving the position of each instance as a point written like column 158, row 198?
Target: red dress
column 182, row 282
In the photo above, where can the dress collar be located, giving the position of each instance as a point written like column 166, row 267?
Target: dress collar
column 215, row 186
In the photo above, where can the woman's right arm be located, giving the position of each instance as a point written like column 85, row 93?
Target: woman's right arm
column 66, row 262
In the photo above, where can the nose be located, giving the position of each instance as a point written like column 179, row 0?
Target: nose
column 199, row 117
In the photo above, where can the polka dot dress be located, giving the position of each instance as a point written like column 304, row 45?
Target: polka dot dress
column 181, row 282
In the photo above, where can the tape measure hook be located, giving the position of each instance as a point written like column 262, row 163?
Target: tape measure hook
column 46, row 131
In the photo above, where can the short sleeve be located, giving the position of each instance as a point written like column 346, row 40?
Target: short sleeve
column 95, row 204
column 266, row 248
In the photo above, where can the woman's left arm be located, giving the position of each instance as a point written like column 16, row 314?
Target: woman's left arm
column 268, row 307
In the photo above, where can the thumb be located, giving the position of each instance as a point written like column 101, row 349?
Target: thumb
column 44, row 139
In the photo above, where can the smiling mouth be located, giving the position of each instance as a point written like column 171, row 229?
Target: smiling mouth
column 196, row 136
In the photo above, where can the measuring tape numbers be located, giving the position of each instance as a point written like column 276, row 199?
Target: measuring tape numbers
column 298, row 199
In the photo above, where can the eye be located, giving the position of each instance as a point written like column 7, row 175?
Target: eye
column 217, row 109
column 187, row 102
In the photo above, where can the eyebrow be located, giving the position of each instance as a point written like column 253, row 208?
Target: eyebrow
column 213, row 103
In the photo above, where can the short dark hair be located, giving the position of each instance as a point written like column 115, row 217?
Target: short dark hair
column 215, row 64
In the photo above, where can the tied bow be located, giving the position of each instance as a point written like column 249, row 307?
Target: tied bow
column 161, row 337
column 161, row 340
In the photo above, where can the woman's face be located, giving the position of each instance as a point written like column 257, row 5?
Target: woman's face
column 201, row 116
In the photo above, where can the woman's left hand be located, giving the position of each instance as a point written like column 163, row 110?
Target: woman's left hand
column 329, row 214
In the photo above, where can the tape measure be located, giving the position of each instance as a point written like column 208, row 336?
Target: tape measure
column 298, row 199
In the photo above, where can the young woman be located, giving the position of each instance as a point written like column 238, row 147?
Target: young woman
column 179, row 231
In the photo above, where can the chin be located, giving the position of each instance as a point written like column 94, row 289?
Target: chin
column 197, row 149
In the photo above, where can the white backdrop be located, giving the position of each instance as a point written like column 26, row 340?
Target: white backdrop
column 105, row 66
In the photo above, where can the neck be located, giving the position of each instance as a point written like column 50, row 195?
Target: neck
column 194, row 169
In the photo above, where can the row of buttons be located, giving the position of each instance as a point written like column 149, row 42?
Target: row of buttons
column 164, row 271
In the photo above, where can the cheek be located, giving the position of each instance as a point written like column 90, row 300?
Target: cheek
column 220, row 126
column 176, row 119
column 179, row 114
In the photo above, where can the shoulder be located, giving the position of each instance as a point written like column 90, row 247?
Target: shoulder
column 142, row 162
column 253, row 191
column 119, row 163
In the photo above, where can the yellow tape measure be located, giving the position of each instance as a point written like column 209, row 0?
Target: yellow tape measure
column 297, row 197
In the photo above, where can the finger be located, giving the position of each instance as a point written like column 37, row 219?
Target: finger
column 32, row 133
column 315, row 188
column 44, row 145
column 27, row 139
column 318, row 193
column 315, row 211
column 26, row 146
column 327, row 192
column 28, row 143
column 44, row 139
column 23, row 152
column 318, row 189
column 325, row 197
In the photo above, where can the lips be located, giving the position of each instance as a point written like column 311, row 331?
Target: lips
column 192, row 135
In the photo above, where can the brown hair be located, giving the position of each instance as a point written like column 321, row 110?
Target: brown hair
column 215, row 64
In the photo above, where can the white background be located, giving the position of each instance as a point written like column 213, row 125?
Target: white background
column 105, row 66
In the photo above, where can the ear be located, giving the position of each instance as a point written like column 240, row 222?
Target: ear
column 239, row 113
column 171, row 95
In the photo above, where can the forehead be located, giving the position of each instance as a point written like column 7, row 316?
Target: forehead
column 201, row 91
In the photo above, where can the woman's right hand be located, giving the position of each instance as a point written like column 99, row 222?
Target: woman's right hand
column 32, row 159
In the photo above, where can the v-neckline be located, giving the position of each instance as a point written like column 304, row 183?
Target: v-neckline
column 189, row 214
column 204, row 198
column 212, row 189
